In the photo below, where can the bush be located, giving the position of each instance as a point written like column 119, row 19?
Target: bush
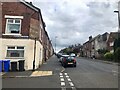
column 117, row 55
column 108, row 56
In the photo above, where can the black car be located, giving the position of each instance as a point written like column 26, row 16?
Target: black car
column 68, row 61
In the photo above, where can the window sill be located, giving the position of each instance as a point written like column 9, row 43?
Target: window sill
column 12, row 34
column 14, row 58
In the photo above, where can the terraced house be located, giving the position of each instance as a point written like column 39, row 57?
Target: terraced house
column 23, row 34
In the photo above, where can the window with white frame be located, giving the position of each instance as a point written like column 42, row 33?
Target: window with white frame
column 13, row 26
column 15, row 51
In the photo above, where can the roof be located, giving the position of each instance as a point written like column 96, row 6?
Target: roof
column 30, row 5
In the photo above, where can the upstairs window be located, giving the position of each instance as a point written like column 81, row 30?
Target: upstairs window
column 13, row 24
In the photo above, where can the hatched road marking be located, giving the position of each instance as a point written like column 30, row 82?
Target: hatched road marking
column 71, row 84
column 41, row 73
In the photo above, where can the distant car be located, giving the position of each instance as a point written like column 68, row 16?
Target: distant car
column 72, row 55
column 62, row 56
column 58, row 55
column 68, row 61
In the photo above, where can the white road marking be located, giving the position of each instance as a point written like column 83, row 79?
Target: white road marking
column 66, row 74
column 61, row 76
column 73, row 88
column 114, row 71
column 71, row 84
column 63, row 88
column 68, row 79
column 62, row 83
column 62, row 79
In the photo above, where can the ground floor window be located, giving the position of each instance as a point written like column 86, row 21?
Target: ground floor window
column 15, row 51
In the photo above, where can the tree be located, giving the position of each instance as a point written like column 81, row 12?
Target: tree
column 117, row 55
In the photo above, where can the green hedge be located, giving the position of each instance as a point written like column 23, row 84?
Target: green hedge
column 117, row 55
column 108, row 56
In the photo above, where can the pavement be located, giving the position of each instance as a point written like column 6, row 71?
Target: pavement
column 28, row 73
column 44, row 70
column 24, row 74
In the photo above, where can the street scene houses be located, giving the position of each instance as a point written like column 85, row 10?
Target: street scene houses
column 23, row 35
column 111, row 40
column 95, row 47
column 91, row 48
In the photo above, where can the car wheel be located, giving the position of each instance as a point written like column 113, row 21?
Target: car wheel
column 64, row 66
column 75, row 65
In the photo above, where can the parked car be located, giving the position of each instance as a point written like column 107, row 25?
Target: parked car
column 69, row 61
column 59, row 55
column 62, row 56
column 72, row 55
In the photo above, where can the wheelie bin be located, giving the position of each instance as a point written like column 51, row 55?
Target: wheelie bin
column 21, row 65
column 6, row 65
column 14, row 66
column 0, row 65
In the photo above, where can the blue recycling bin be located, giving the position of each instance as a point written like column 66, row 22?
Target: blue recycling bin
column 0, row 65
column 6, row 65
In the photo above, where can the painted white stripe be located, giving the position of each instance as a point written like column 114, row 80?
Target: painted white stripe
column 62, row 83
column 61, row 76
column 71, row 84
column 66, row 74
column 73, row 88
column 62, row 79
column 114, row 71
column 63, row 88
column 69, row 79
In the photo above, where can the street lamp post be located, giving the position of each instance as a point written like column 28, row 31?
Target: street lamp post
column 118, row 20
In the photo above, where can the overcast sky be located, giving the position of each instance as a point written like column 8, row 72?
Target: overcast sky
column 73, row 21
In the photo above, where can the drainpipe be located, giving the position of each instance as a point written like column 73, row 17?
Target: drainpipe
column 34, row 55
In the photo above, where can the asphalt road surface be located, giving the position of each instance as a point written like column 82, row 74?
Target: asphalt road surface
column 88, row 74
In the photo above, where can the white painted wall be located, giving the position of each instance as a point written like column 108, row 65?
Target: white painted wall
column 28, row 52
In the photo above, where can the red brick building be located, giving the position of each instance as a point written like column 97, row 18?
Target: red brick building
column 23, row 34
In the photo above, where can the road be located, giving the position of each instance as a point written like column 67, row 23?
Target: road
column 88, row 74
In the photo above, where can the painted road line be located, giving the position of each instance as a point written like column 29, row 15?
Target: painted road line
column 63, row 69
column 41, row 73
column 71, row 84
column 63, row 88
column 66, row 74
column 114, row 71
column 62, row 79
column 69, row 79
column 73, row 88
column 61, row 74
column 62, row 83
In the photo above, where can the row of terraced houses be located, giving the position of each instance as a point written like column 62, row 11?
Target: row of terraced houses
column 100, row 42
column 23, row 34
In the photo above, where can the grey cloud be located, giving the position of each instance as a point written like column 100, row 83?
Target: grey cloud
column 75, row 23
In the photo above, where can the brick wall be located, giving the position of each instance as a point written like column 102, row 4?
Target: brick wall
column 19, row 9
